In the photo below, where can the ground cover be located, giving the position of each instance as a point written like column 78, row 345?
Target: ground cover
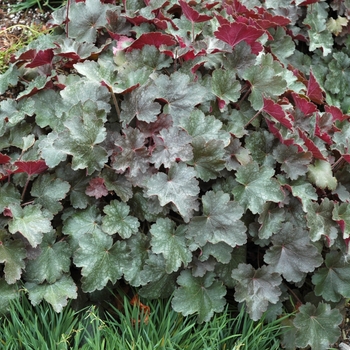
column 265, row 183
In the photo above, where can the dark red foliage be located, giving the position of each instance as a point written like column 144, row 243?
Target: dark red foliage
column 31, row 167
column 192, row 14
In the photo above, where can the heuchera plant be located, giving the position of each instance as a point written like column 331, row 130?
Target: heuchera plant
column 190, row 148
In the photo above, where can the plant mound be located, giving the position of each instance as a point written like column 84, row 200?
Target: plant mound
column 185, row 148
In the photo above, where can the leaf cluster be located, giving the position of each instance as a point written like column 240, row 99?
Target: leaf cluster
column 189, row 149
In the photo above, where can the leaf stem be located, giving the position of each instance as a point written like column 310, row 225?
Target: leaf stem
column 244, row 97
column 254, row 116
column 192, row 32
column 295, row 296
column 27, row 203
column 338, row 162
column 67, row 19
column 115, row 102
column 25, row 188
column 180, row 221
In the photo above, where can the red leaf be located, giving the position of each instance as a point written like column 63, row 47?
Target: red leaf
column 235, row 7
column 277, row 134
column 154, row 38
column 197, row 66
column 221, row 103
column 26, row 56
column 160, row 24
column 304, row 105
column 34, row 90
column 322, row 128
column 314, row 91
column 298, row 74
column 336, row 113
column 192, row 14
column 271, row 20
column 210, row 6
column 276, row 111
column 7, row 212
column 262, row 17
column 222, row 20
column 97, row 188
column 164, row 121
column 4, row 159
column 234, row 33
column 41, row 58
column 346, row 157
column 161, row 21
column 136, row 21
column 31, row 167
column 311, row 146
column 308, row 2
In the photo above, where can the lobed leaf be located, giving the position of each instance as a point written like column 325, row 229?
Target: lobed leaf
column 294, row 163
column 80, row 223
column 53, row 261
column 49, row 191
column 234, row 33
column 56, row 294
column 341, row 215
column 321, row 175
column 264, row 82
column 291, row 254
column 257, row 288
column 180, row 93
column 140, row 103
column 96, row 188
column 320, row 221
column 10, row 77
column 256, row 187
column 198, row 295
column 161, row 284
column 8, row 195
column 225, row 86
column 100, row 259
column 197, row 124
column 81, row 140
column 118, row 220
column 220, row 221
column 12, row 254
column 208, row 158
column 132, row 154
column 332, row 281
column 85, row 18
column 30, row 221
column 271, row 220
column 192, row 14
column 178, row 187
column 317, row 326
column 139, row 245
column 169, row 240
column 8, row 292
column 171, row 145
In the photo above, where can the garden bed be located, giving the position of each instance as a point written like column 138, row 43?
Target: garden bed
column 313, row 154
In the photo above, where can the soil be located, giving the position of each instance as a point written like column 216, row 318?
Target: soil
column 13, row 24
column 13, row 29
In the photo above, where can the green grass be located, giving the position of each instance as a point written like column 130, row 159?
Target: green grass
column 26, row 4
column 40, row 328
column 15, row 42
